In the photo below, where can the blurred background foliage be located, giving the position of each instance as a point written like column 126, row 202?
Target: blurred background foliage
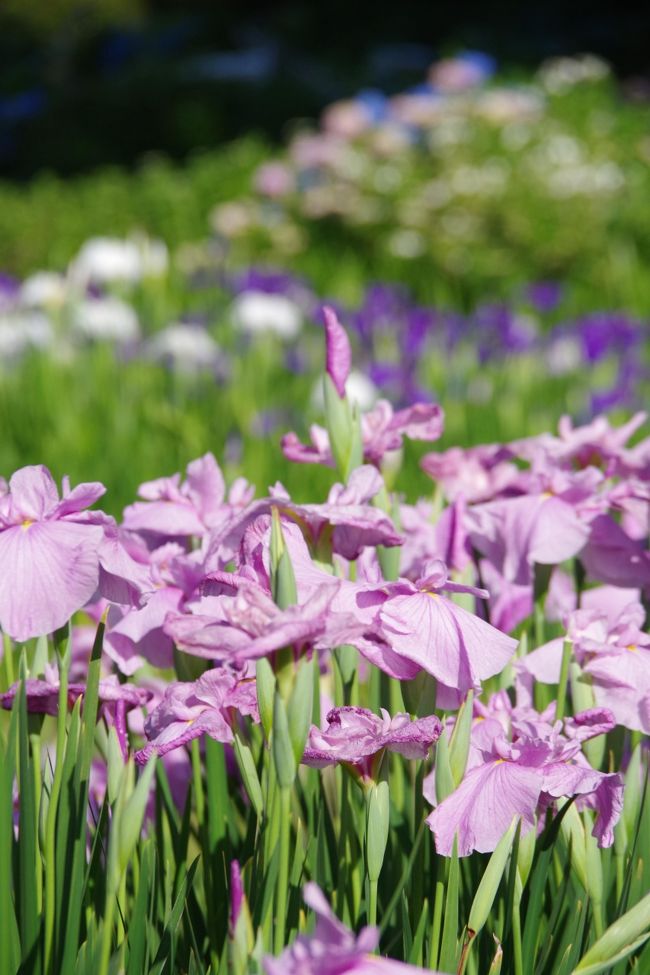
column 87, row 82
column 123, row 116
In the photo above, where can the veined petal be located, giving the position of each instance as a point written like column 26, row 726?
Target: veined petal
column 483, row 806
column 50, row 569
column 33, row 491
column 453, row 645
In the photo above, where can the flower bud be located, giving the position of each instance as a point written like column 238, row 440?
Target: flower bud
column 283, row 754
column 377, row 822
column 283, row 579
column 459, row 745
column 338, row 355
column 249, row 775
column 300, row 707
column 265, row 684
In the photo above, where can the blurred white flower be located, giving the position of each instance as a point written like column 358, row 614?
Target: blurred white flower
column 257, row 312
column 361, row 390
column 22, row 329
column 316, row 151
column 503, row 105
column 389, row 140
column 43, row 289
column 588, row 179
column 232, row 219
column 406, row 244
column 187, row 347
column 559, row 75
column 387, row 178
column 486, row 180
column 358, row 388
column 105, row 319
column 103, row 260
column 564, row 355
column 515, row 135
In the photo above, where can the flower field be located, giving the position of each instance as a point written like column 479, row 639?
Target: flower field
column 340, row 661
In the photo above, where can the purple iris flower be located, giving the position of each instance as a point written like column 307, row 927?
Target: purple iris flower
column 477, row 473
column 456, row 647
column 521, row 774
column 115, row 700
column 9, row 290
column 135, row 634
column 236, row 895
column 382, row 430
column 612, row 650
column 174, row 509
column 612, row 557
column 332, row 949
column 358, row 739
column 250, row 625
column 601, row 332
column 347, row 518
column 207, row 706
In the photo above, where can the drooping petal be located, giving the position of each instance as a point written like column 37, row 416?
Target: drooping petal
column 422, row 421
column 455, row 646
column 49, row 570
column 483, row 806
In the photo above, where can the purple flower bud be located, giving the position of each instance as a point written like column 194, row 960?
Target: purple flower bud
column 236, row 894
column 338, row 353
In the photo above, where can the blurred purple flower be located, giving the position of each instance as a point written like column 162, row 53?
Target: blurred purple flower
column 544, row 296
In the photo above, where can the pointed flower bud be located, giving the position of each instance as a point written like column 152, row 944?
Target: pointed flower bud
column 338, row 353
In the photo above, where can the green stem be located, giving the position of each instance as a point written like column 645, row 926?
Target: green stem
column 107, row 933
column 372, row 902
column 35, row 742
column 121, row 899
column 436, row 926
column 564, row 680
column 50, row 823
column 417, row 877
column 197, row 782
column 516, row 940
column 283, row 872
column 8, row 657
